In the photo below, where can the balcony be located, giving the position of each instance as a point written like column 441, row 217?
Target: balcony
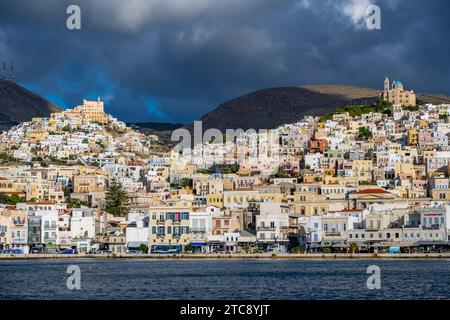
column 177, row 235
column 19, row 222
column 266, row 228
column 198, row 230
column 333, row 234
column 161, row 221
column 52, row 227
column 176, row 221
column 160, row 235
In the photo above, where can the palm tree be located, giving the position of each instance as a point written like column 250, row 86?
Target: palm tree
column 353, row 247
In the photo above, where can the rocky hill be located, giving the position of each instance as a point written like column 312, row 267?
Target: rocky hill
column 18, row 104
column 269, row 108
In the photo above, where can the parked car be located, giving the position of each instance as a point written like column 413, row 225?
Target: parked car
column 104, row 252
column 134, row 251
column 70, row 251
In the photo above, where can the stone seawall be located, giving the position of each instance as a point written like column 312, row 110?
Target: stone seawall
column 232, row 256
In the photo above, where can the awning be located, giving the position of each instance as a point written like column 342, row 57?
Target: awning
column 135, row 244
column 198, row 244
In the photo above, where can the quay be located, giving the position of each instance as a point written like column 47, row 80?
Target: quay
column 285, row 256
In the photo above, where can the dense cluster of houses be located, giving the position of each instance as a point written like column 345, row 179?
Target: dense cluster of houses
column 373, row 180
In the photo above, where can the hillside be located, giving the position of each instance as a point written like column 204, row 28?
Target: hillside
column 18, row 104
column 269, row 108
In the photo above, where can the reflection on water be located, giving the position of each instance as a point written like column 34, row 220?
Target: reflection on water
column 224, row 279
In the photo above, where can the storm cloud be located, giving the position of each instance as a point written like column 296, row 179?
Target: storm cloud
column 174, row 60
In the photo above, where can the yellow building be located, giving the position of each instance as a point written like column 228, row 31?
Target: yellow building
column 240, row 198
column 362, row 170
column 308, row 204
column 413, row 137
column 92, row 111
column 440, row 194
column 5, row 226
column 169, row 223
column 88, row 183
column 215, row 200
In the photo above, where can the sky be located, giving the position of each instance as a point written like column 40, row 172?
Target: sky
column 175, row 60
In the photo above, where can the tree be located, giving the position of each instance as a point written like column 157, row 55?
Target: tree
column 353, row 247
column 143, row 248
column 280, row 173
column 297, row 250
column 116, row 198
column 188, row 248
column 12, row 199
column 76, row 203
column 364, row 133
column 186, row 182
column 183, row 183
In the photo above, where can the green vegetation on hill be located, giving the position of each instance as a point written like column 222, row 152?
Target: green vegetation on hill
column 183, row 183
column 364, row 133
column 358, row 110
column 12, row 199
column 5, row 158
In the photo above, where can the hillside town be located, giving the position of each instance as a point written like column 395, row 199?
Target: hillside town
column 365, row 178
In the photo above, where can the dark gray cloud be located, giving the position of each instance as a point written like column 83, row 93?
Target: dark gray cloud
column 174, row 60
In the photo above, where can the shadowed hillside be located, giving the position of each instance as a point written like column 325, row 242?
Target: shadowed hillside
column 269, row 108
column 18, row 104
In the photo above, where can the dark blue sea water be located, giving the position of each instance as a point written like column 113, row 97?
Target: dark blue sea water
column 225, row 279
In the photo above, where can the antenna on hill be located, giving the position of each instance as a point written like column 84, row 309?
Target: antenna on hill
column 4, row 71
column 13, row 74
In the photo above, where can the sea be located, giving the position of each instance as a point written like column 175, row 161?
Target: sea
column 210, row 279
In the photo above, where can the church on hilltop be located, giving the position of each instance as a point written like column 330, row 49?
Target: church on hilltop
column 397, row 95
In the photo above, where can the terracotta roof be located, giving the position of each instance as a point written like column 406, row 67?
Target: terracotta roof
column 346, row 210
column 13, row 192
column 368, row 191
column 41, row 203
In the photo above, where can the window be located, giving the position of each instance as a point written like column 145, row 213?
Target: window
column 185, row 216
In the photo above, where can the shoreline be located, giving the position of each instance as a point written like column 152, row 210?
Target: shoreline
column 279, row 256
